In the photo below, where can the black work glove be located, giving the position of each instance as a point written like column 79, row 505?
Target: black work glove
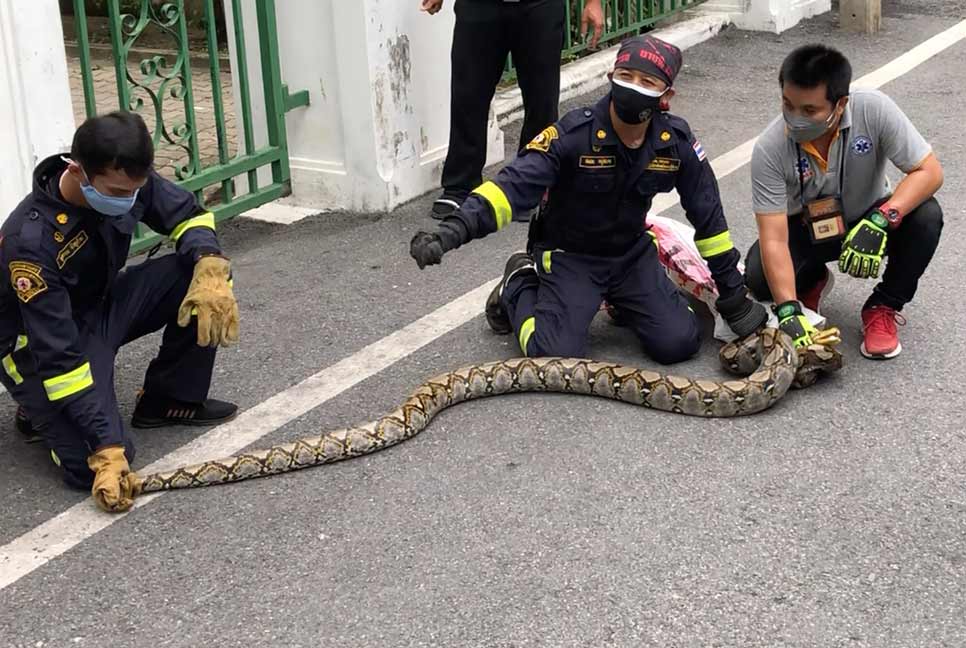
column 742, row 313
column 428, row 248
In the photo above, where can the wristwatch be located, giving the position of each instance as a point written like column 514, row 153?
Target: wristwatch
column 888, row 216
column 787, row 309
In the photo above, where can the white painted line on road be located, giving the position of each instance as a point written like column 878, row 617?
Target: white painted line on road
column 63, row 532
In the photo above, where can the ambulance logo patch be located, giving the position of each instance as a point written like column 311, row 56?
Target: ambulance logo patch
column 543, row 140
column 26, row 280
column 861, row 145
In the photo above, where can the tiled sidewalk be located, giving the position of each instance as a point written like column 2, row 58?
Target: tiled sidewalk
column 168, row 156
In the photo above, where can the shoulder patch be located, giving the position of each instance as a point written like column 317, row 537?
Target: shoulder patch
column 543, row 140
column 26, row 280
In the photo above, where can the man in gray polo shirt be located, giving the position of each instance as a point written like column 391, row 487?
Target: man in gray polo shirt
column 820, row 194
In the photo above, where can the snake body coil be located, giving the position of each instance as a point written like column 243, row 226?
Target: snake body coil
column 768, row 362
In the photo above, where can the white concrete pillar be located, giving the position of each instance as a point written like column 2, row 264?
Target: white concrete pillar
column 768, row 15
column 36, row 116
column 378, row 74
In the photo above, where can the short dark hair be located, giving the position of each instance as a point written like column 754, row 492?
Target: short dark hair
column 809, row 66
column 117, row 140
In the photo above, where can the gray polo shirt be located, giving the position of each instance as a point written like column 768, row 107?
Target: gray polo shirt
column 873, row 129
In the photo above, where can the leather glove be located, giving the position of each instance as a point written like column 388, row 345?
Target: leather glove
column 864, row 246
column 210, row 297
column 792, row 322
column 426, row 248
column 115, row 484
column 429, row 248
column 742, row 313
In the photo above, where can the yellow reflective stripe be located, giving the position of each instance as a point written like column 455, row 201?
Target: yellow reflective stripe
column 526, row 330
column 9, row 365
column 713, row 245
column 69, row 383
column 11, row 368
column 546, row 261
column 498, row 201
column 654, row 239
column 55, row 458
column 204, row 220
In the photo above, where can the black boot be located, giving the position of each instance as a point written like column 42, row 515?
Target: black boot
column 24, row 426
column 496, row 315
column 158, row 411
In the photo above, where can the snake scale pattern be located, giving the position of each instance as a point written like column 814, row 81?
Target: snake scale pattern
column 767, row 363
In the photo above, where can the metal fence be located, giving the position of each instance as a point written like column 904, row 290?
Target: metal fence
column 162, row 87
column 621, row 18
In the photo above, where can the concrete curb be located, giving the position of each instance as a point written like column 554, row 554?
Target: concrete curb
column 589, row 73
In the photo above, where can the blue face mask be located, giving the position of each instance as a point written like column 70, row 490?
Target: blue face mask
column 112, row 206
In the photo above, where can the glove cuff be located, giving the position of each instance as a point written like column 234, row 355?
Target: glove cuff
column 787, row 309
column 452, row 233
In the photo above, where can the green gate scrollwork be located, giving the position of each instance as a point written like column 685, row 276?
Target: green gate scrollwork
column 156, row 81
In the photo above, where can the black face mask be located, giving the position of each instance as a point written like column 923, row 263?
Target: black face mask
column 634, row 104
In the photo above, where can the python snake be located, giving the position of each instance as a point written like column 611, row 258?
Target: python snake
column 768, row 362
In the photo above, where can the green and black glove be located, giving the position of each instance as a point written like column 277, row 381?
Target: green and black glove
column 428, row 248
column 793, row 323
column 864, row 246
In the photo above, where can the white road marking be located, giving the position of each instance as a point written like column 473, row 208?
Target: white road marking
column 45, row 542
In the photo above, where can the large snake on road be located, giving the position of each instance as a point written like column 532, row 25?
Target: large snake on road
column 767, row 361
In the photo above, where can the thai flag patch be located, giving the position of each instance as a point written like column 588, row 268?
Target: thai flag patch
column 699, row 151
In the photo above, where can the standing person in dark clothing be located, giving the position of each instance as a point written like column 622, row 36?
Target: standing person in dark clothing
column 486, row 32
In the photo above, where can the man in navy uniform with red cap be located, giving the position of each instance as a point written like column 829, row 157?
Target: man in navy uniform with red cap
column 602, row 166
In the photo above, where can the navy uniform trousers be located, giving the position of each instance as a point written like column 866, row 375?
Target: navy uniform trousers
column 143, row 299
column 553, row 310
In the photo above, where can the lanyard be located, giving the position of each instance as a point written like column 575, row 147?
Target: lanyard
column 801, row 171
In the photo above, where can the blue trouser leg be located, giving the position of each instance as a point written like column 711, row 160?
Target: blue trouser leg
column 656, row 310
column 143, row 299
column 551, row 312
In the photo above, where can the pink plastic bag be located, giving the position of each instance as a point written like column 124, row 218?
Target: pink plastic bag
column 679, row 256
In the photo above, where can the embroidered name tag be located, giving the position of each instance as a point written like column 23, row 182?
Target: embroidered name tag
column 72, row 247
column 664, row 165
column 598, row 161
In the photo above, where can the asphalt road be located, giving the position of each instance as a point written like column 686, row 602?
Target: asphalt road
column 838, row 518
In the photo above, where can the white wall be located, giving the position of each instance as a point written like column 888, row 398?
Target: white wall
column 378, row 74
column 768, row 15
column 36, row 117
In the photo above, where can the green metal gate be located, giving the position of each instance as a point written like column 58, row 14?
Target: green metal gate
column 621, row 18
column 161, row 87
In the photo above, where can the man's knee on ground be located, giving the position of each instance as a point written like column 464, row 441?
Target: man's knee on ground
column 675, row 344
column 543, row 343
column 755, row 274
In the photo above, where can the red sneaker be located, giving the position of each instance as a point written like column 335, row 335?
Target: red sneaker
column 881, row 337
column 813, row 298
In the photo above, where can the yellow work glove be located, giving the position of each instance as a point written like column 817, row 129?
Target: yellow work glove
column 210, row 298
column 115, row 484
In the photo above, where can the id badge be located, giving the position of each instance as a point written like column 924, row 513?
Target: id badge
column 824, row 220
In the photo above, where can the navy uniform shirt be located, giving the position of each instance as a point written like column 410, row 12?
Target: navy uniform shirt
column 599, row 190
column 58, row 263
